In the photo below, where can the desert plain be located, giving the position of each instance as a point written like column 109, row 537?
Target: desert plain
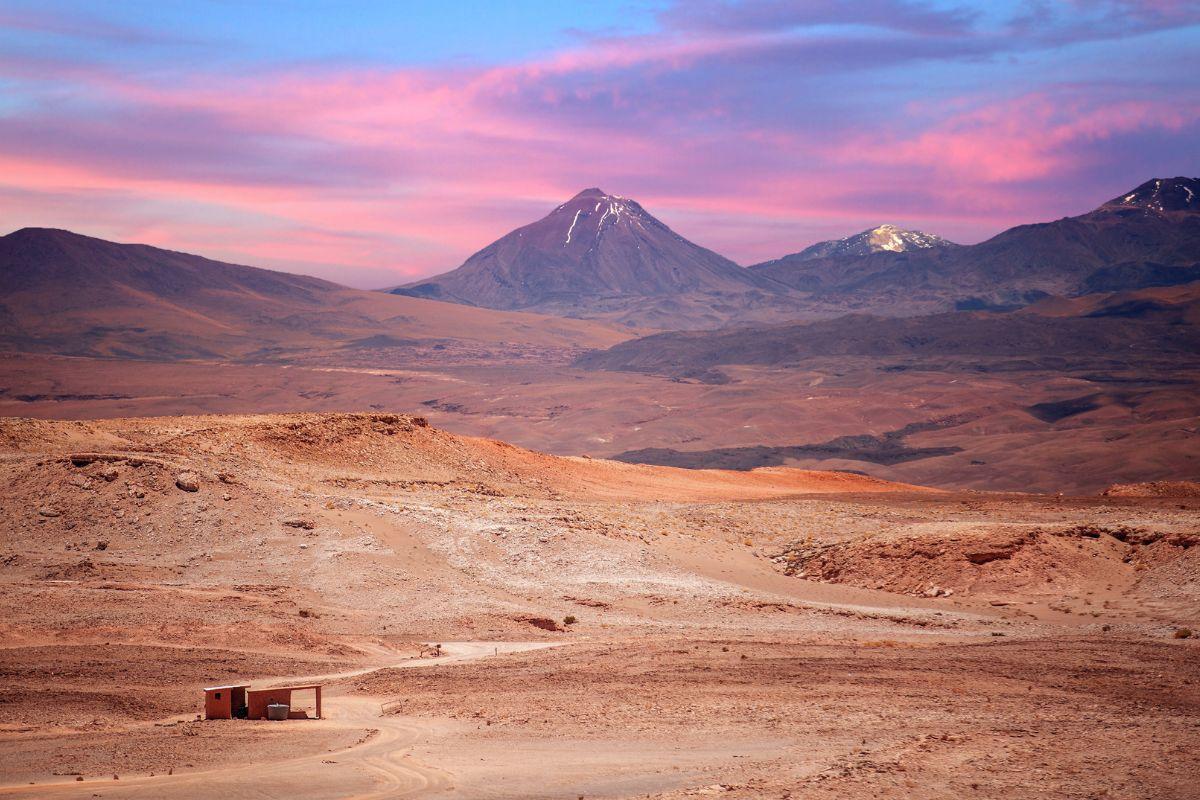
column 746, row 399
column 491, row 621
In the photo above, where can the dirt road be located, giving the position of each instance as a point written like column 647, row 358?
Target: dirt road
column 377, row 767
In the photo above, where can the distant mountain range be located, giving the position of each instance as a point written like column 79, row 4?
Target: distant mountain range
column 598, row 256
column 604, row 256
column 1147, row 237
column 64, row 293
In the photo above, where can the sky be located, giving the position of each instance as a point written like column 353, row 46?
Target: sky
column 373, row 143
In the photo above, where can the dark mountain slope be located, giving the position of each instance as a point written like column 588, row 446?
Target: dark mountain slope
column 1150, row 236
column 1154, row 322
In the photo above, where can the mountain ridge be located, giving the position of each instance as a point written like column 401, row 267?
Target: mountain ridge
column 71, row 294
column 1149, row 236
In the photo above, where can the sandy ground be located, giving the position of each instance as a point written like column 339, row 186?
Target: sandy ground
column 778, row 633
column 1145, row 424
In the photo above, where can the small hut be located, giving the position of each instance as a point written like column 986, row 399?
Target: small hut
column 225, row 702
column 239, row 701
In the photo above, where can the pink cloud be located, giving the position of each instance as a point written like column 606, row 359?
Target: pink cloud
column 1031, row 137
column 744, row 134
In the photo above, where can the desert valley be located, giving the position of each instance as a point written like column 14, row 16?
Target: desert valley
column 644, row 401
column 946, row 546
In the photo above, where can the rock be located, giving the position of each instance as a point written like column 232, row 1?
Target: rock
column 109, row 474
column 300, row 522
column 984, row 553
column 46, row 511
column 80, row 481
column 540, row 622
column 188, row 481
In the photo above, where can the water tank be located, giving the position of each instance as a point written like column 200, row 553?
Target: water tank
column 278, row 711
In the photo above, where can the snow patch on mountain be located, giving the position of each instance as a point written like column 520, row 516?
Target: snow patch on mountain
column 885, row 238
column 1162, row 195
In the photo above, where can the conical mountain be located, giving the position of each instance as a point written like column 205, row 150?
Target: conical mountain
column 591, row 251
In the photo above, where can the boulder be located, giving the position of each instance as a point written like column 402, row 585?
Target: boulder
column 188, row 481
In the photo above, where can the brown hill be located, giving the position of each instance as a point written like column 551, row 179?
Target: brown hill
column 1154, row 489
column 361, row 447
column 75, row 295
column 1129, row 325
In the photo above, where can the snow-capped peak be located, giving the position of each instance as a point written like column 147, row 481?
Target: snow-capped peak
column 1162, row 194
column 587, row 215
column 889, row 238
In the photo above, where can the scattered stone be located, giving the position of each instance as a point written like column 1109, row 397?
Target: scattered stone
column 300, row 522
column 188, row 481
column 46, row 511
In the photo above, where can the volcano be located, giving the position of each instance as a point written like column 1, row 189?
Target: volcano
column 598, row 253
